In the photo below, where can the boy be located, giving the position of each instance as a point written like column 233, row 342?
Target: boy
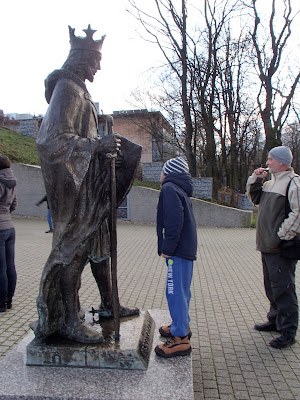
column 177, row 243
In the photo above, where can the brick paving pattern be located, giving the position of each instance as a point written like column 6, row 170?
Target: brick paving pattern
column 230, row 359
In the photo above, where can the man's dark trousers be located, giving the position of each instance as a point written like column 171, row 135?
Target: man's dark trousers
column 279, row 281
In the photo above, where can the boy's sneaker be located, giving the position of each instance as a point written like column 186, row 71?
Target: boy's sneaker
column 165, row 331
column 174, row 347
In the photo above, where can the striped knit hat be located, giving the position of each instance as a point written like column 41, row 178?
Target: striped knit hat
column 177, row 165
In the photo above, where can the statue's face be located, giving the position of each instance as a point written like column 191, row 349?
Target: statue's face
column 92, row 66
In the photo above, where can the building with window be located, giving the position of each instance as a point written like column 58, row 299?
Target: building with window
column 147, row 128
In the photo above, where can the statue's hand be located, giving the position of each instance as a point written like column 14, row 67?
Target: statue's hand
column 110, row 144
column 119, row 159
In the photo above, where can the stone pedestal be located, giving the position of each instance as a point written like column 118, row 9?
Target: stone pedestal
column 131, row 351
column 164, row 379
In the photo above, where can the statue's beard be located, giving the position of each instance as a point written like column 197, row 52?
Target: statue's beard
column 90, row 74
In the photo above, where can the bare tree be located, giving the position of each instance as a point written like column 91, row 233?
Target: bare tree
column 170, row 141
column 169, row 31
column 220, row 77
column 291, row 138
column 274, row 98
column 205, row 72
column 205, row 84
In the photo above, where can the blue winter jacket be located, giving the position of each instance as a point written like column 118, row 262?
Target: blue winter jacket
column 176, row 225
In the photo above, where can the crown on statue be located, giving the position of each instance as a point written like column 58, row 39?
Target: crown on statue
column 85, row 43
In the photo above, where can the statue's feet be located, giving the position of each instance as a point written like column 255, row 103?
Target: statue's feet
column 128, row 312
column 35, row 326
column 81, row 314
column 107, row 312
column 81, row 333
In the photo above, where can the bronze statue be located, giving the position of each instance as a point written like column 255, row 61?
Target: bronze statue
column 76, row 173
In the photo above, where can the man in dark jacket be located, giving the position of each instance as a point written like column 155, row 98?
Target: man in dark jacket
column 177, row 243
column 273, row 226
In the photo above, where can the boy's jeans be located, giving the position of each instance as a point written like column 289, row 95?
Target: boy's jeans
column 178, row 293
column 8, row 276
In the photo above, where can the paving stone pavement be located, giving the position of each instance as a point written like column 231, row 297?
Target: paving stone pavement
column 230, row 359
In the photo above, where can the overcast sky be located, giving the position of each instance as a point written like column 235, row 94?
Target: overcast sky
column 34, row 40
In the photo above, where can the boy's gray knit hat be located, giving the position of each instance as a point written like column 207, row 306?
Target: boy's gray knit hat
column 282, row 154
column 175, row 165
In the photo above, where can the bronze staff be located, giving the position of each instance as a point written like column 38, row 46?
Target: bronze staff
column 113, row 233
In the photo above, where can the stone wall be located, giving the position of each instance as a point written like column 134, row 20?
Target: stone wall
column 142, row 202
column 244, row 203
column 29, row 127
column 30, row 189
column 202, row 186
column 238, row 200
column 152, row 171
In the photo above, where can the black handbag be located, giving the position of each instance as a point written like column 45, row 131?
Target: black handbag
column 290, row 248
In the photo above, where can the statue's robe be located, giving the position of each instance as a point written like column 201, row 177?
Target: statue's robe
column 77, row 180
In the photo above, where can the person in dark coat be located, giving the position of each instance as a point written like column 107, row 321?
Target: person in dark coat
column 177, row 243
column 49, row 219
column 8, row 203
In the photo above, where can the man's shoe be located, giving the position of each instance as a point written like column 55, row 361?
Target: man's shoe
column 282, row 341
column 50, row 231
column 3, row 307
column 266, row 327
column 165, row 331
column 174, row 347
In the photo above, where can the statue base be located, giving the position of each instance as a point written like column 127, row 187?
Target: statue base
column 131, row 351
column 164, row 378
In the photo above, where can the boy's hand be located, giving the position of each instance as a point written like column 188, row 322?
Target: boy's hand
column 165, row 256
